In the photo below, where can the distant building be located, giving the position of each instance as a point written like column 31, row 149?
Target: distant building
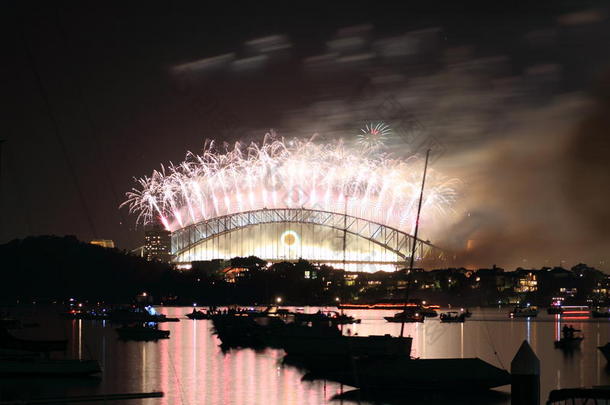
column 107, row 243
column 157, row 244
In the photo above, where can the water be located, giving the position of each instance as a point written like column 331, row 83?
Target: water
column 191, row 369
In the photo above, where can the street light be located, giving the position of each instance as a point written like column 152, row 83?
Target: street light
column 278, row 300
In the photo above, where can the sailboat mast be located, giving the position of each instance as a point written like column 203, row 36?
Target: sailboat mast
column 344, row 233
column 421, row 198
column 413, row 245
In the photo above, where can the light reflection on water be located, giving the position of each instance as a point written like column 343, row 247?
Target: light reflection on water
column 191, row 369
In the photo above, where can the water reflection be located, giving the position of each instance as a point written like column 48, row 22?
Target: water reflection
column 191, row 369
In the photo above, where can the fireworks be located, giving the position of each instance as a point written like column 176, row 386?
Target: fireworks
column 291, row 173
column 374, row 136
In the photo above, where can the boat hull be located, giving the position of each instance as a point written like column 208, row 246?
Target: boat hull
column 342, row 346
column 395, row 319
column 128, row 333
column 568, row 344
column 44, row 367
column 421, row 374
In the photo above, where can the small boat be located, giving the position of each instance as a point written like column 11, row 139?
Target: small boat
column 10, row 323
column 447, row 317
column 411, row 314
column 404, row 374
column 524, row 312
column 568, row 344
column 141, row 333
column 342, row 346
column 333, row 317
column 198, row 314
column 605, row 349
column 86, row 315
column 569, row 341
column 579, row 395
column 36, row 366
column 146, row 314
column 10, row 342
column 598, row 313
column 426, row 310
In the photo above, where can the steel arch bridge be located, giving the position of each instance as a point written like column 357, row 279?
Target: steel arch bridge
column 391, row 239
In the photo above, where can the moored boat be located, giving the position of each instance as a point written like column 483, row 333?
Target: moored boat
column 344, row 346
column 146, row 314
column 199, row 314
column 36, row 366
column 332, row 317
column 408, row 315
column 425, row 309
column 403, row 374
column 10, row 342
column 141, row 333
column 599, row 313
column 452, row 316
column 523, row 312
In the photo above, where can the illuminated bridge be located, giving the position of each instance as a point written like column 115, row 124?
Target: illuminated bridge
column 288, row 234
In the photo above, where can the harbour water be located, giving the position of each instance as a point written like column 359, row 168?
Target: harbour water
column 190, row 367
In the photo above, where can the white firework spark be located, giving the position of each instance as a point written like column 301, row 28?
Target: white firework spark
column 374, row 136
column 289, row 174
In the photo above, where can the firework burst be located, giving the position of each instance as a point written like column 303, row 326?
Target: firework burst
column 374, row 136
column 289, row 174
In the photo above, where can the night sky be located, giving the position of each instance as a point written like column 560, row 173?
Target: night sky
column 92, row 98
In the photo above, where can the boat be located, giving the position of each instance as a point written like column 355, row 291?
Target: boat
column 408, row 315
column 37, row 366
column 405, row 374
column 329, row 347
column 146, row 314
column 555, row 308
column 452, row 316
column 569, row 341
column 10, row 323
column 580, row 395
column 333, row 317
column 425, row 310
column 568, row 344
column 605, row 349
column 524, row 312
column 86, row 315
column 245, row 329
column 383, row 363
column 10, row 342
column 143, row 333
column 198, row 314
column 598, row 313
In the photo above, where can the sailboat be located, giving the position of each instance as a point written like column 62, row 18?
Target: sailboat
column 401, row 372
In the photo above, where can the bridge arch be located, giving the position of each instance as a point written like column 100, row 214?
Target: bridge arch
column 388, row 238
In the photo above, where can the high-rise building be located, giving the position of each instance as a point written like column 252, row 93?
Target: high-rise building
column 107, row 243
column 157, row 244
